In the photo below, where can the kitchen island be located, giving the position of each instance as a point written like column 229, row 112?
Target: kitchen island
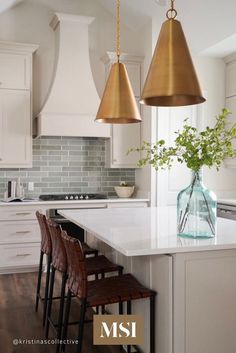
column 20, row 234
column 195, row 279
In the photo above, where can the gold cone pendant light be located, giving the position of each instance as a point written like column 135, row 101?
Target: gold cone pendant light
column 118, row 104
column 171, row 80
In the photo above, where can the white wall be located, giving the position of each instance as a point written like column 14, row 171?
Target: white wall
column 29, row 22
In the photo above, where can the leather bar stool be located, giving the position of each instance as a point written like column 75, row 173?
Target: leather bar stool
column 98, row 265
column 46, row 249
column 118, row 289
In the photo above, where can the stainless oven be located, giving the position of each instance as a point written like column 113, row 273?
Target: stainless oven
column 226, row 211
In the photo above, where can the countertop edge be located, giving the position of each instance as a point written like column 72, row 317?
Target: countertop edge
column 79, row 202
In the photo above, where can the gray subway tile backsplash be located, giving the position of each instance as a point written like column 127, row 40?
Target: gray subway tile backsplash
column 68, row 165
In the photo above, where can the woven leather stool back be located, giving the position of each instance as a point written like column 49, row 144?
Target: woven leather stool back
column 59, row 258
column 46, row 244
column 77, row 274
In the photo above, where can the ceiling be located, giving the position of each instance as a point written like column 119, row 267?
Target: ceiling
column 209, row 25
column 205, row 22
column 7, row 4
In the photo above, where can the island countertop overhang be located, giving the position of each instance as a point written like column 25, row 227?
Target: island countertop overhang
column 148, row 231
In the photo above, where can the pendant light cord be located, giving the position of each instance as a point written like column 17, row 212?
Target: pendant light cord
column 171, row 13
column 118, row 29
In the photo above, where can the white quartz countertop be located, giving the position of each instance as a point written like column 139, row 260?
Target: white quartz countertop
column 75, row 202
column 148, row 231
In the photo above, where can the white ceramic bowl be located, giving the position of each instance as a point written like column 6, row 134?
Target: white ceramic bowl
column 124, row 191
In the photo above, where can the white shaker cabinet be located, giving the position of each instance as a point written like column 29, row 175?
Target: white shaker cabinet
column 124, row 136
column 14, row 71
column 19, row 238
column 15, row 132
column 230, row 76
column 230, row 101
column 16, row 104
column 204, row 302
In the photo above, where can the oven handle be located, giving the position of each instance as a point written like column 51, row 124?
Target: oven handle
column 60, row 220
column 227, row 211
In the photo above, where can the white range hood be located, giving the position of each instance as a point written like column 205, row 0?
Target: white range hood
column 73, row 101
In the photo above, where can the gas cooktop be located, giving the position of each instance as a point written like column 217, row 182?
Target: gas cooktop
column 72, row 197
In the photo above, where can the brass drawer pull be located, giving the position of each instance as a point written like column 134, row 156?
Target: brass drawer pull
column 23, row 232
column 23, row 255
column 23, row 213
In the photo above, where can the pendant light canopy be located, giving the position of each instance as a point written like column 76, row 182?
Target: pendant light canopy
column 118, row 104
column 171, row 80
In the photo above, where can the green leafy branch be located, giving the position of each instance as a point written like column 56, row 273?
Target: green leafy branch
column 196, row 149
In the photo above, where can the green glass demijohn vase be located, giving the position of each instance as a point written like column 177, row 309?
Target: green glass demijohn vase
column 196, row 210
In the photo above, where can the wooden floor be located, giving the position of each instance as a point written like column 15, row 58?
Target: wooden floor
column 18, row 319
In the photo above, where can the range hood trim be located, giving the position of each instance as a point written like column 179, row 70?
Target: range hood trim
column 59, row 17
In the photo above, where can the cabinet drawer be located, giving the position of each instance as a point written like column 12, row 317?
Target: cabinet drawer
column 19, row 232
column 19, row 255
column 18, row 213
column 14, row 71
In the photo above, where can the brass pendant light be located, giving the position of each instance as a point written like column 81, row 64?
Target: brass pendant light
column 171, row 80
column 118, row 104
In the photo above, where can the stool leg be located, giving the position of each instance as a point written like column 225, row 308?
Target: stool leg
column 120, row 308
column 152, row 324
column 129, row 313
column 121, row 313
column 60, row 316
column 81, row 325
column 120, row 272
column 49, row 305
column 103, row 306
column 49, row 260
column 66, row 320
column 39, row 280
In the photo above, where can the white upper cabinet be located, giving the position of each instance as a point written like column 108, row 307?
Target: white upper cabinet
column 230, row 101
column 134, row 72
column 14, row 71
column 124, row 136
column 231, row 78
column 15, row 105
column 15, row 132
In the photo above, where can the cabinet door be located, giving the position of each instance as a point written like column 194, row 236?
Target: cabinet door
column 231, row 79
column 123, row 138
column 128, row 135
column 231, row 105
column 15, row 131
column 204, row 302
column 14, row 71
column 134, row 72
